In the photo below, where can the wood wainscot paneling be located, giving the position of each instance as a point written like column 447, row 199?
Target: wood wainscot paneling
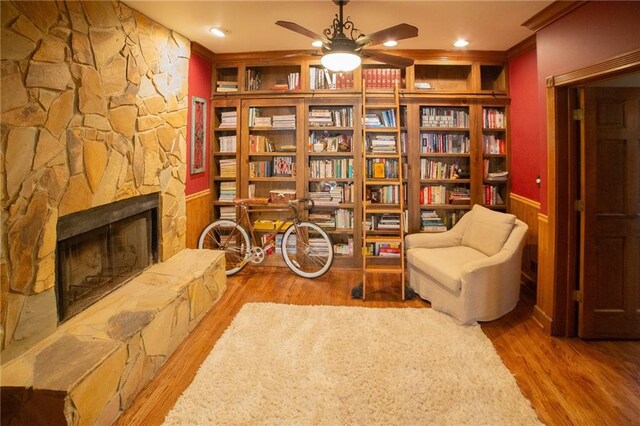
column 543, row 311
column 527, row 211
column 198, row 215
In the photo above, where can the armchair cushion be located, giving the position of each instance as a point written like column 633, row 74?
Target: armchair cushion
column 487, row 230
column 444, row 265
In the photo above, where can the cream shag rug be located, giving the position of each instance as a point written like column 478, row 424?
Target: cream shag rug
column 302, row 365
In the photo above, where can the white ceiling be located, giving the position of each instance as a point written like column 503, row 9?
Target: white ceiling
column 488, row 25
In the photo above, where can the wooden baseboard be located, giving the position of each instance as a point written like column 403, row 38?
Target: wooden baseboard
column 542, row 319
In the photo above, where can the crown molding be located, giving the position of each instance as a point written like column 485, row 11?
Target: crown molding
column 550, row 14
column 202, row 51
column 524, row 46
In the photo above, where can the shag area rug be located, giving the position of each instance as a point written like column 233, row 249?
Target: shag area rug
column 301, row 365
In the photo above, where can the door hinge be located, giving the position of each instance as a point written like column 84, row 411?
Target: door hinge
column 580, row 205
column 578, row 296
column 578, row 114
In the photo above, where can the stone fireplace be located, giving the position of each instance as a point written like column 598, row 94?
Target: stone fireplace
column 94, row 111
column 99, row 249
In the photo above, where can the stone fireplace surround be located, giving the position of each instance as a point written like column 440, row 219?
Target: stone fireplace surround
column 93, row 110
column 94, row 107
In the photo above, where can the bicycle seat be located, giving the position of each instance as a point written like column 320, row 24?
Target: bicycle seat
column 251, row 201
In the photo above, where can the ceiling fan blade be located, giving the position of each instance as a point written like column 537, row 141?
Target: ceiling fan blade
column 397, row 32
column 396, row 61
column 301, row 30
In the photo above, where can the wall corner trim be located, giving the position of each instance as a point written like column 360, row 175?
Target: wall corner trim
column 550, row 14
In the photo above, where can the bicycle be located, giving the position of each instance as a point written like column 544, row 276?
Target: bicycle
column 306, row 248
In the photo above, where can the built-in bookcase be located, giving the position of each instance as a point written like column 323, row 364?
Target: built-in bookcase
column 225, row 158
column 331, row 153
column 495, row 165
column 453, row 138
column 445, row 165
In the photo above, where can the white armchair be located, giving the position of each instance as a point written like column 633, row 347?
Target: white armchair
column 472, row 271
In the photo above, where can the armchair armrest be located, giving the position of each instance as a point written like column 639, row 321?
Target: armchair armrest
column 425, row 240
column 450, row 238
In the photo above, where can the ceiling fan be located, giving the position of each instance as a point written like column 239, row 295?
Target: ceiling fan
column 343, row 45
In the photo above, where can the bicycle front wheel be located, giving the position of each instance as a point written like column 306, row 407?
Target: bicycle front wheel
column 228, row 236
column 307, row 249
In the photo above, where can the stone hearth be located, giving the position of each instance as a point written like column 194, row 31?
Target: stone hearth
column 92, row 367
column 94, row 107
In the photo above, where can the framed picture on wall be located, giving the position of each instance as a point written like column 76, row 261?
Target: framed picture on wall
column 198, row 134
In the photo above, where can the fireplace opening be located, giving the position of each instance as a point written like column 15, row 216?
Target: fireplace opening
column 100, row 249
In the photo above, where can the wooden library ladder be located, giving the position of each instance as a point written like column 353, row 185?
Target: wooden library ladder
column 380, row 246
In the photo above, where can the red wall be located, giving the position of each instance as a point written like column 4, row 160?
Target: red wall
column 594, row 32
column 525, row 159
column 199, row 86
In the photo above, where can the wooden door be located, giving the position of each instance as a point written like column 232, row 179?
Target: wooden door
column 610, row 221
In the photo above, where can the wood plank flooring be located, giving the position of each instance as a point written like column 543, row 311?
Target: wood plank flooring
column 568, row 381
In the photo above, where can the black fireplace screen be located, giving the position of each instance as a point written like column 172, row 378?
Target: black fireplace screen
column 100, row 249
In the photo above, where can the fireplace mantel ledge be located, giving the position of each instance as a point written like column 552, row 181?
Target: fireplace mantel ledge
column 91, row 368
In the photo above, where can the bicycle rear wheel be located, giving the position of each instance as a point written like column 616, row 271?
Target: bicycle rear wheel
column 307, row 250
column 228, row 236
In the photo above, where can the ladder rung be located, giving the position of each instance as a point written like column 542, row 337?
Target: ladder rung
column 383, row 268
column 384, row 239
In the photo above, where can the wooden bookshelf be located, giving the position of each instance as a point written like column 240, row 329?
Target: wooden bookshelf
column 471, row 82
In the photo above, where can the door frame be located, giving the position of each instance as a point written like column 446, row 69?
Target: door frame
column 563, row 177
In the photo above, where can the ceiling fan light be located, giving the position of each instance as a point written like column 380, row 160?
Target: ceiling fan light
column 390, row 43
column 341, row 61
column 461, row 43
column 317, row 43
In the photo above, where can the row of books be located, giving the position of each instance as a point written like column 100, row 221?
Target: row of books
column 382, row 144
column 438, row 169
column 329, row 142
column 228, row 212
column 336, row 117
column 226, row 86
column 492, row 196
column 323, row 79
column 228, row 119
column 279, row 166
column 252, row 80
column 383, row 249
column 227, row 168
column 444, row 117
column 382, row 168
column 286, row 121
column 227, row 143
column 344, row 248
column 341, row 168
column 227, row 192
column 493, row 145
column 259, row 143
column 338, row 219
column 441, row 194
column 382, row 222
column 448, row 218
column 431, row 222
column 331, row 193
column 381, row 78
column 384, row 194
column 449, row 143
column 386, row 118
column 493, row 118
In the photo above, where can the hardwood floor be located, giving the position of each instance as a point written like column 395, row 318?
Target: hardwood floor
column 568, row 381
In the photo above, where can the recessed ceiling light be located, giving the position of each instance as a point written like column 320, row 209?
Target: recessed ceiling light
column 461, row 43
column 217, row 32
column 317, row 43
column 390, row 43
